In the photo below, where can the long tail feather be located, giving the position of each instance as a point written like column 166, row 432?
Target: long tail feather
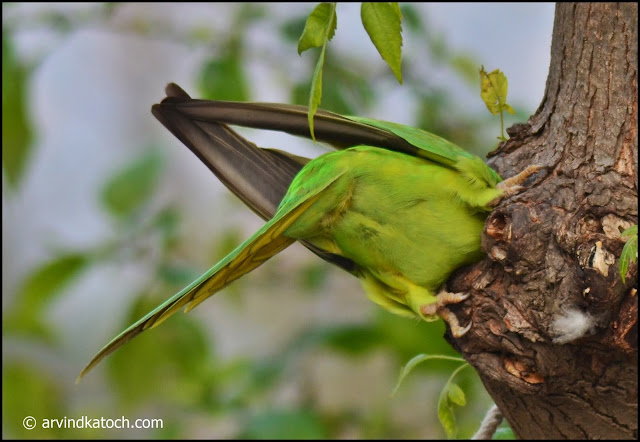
column 293, row 119
column 264, row 244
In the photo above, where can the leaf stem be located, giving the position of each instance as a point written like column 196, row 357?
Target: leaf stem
column 417, row 360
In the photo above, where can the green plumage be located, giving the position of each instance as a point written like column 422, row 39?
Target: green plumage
column 398, row 207
column 406, row 222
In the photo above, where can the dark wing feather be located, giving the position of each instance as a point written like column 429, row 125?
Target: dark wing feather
column 259, row 177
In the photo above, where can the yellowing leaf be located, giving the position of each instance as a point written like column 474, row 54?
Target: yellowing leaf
column 493, row 90
column 383, row 23
column 320, row 27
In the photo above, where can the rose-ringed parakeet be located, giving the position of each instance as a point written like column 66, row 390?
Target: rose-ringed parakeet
column 396, row 206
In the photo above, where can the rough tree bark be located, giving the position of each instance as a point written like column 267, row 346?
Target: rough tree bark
column 553, row 250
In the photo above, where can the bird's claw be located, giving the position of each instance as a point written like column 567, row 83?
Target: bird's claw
column 515, row 181
column 512, row 186
column 439, row 308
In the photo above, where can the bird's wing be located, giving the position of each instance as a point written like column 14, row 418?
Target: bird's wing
column 259, row 177
column 264, row 244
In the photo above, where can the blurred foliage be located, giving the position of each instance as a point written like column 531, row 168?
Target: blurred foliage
column 223, row 76
column 176, row 371
column 281, row 425
column 130, row 188
column 16, row 128
column 504, row 433
column 38, row 290
column 22, row 384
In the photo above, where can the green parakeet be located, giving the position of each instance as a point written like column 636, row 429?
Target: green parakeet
column 396, row 206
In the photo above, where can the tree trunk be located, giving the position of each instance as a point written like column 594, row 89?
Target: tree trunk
column 555, row 330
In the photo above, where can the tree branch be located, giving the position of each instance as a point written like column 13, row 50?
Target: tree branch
column 555, row 329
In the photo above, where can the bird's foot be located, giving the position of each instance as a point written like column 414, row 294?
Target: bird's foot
column 515, row 181
column 512, row 186
column 439, row 308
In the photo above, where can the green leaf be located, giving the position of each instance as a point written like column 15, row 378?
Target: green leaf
column 132, row 186
column 445, row 415
column 320, row 27
column 16, row 128
column 383, row 23
column 418, row 360
column 631, row 231
column 456, row 395
column 280, row 425
column 224, row 78
column 315, row 97
column 451, row 394
column 629, row 251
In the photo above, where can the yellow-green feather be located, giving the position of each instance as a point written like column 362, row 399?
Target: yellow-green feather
column 262, row 245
